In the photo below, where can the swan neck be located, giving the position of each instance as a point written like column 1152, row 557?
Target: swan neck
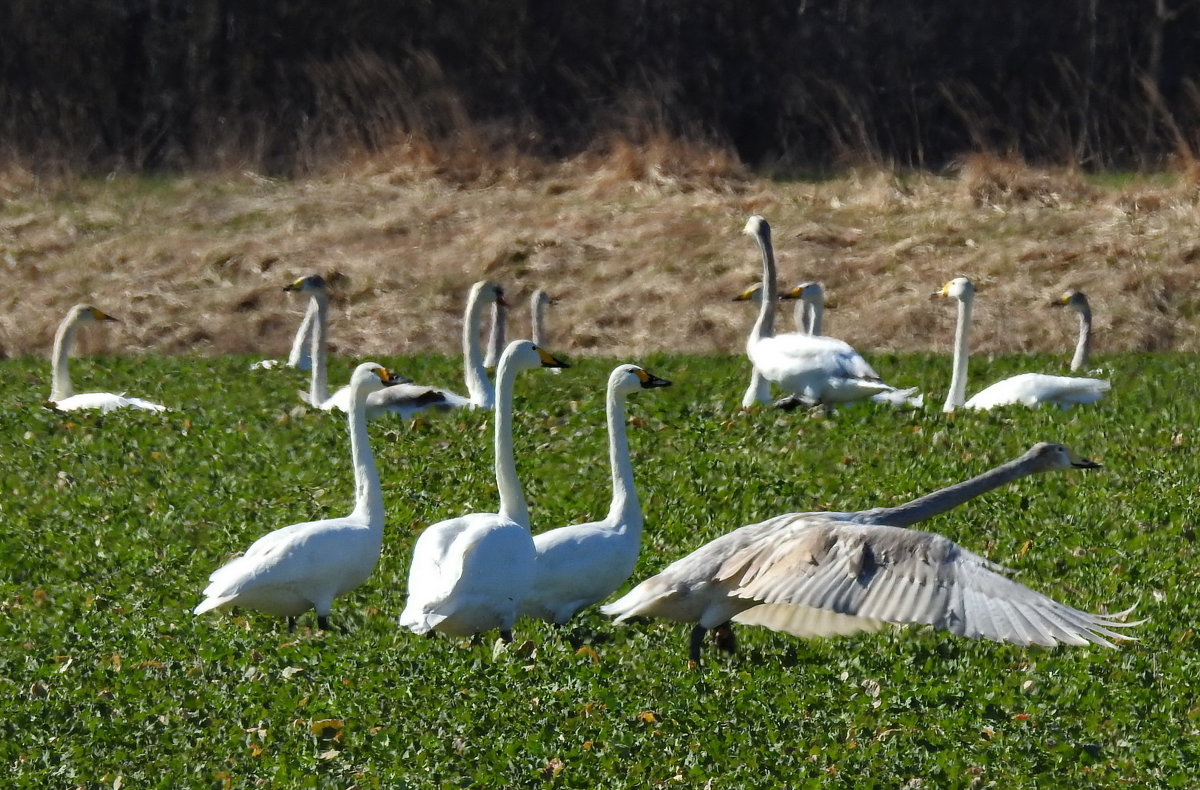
column 478, row 386
column 496, row 343
column 1083, row 346
column 625, row 508
column 958, row 380
column 950, row 497
column 368, row 495
column 512, row 498
column 60, row 376
column 815, row 316
column 765, row 325
column 318, row 391
column 537, row 321
column 302, row 343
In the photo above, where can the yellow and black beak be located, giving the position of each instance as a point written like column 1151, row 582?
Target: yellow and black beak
column 650, row 381
column 943, row 291
column 1084, row 463
column 746, row 295
column 549, row 360
column 390, row 379
column 296, row 286
column 1061, row 301
column 100, row 315
column 793, row 293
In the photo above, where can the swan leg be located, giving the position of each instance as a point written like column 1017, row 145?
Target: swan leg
column 724, row 639
column 789, row 403
column 506, row 636
column 697, row 641
column 291, row 625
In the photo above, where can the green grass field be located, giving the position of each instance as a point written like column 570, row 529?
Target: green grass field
column 113, row 523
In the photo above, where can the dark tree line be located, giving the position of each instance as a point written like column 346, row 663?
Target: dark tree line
column 281, row 84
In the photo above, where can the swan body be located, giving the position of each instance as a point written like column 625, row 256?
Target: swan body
column 582, row 564
column 62, row 393
column 400, row 397
column 306, row 566
column 1028, row 389
column 469, row 574
column 820, row 574
column 815, row 369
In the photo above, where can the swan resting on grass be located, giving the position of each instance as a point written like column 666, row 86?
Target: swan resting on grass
column 305, row 566
column 401, row 397
column 62, row 394
column 1028, row 389
column 469, row 574
column 821, row 574
column 583, row 564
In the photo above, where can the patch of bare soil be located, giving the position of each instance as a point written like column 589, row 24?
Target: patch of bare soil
column 642, row 248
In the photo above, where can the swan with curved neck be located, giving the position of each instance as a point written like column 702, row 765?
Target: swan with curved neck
column 813, row 369
column 820, row 574
column 1028, row 389
column 62, row 393
column 538, row 302
column 306, row 566
column 469, row 574
column 401, row 397
column 1076, row 301
column 582, row 564
column 495, row 343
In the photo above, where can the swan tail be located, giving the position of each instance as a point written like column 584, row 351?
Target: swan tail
column 212, row 603
column 910, row 398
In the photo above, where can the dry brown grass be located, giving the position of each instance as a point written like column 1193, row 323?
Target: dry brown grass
column 640, row 243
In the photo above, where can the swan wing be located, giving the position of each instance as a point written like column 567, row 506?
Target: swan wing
column 105, row 402
column 907, row 576
column 409, row 399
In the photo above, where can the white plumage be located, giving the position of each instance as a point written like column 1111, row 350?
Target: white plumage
column 62, row 394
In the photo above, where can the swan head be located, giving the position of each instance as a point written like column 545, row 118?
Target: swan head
column 1073, row 299
column 807, row 292
column 540, row 297
column 83, row 313
column 524, row 355
column 372, row 377
column 628, row 379
column 751, row 294
column 1047, row 456
column 309, row 284
column 758, row 227
column 486, row 291
column 959, row 288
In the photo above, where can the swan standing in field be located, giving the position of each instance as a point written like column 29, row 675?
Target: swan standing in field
column 62, row 394
column 821, row 574
column 469, row 574
column 1029, row 389
column 808, row 321
column 401, row 398
column 305, row 566
column 1076, row 301
column 813, row 369
column 582, row 564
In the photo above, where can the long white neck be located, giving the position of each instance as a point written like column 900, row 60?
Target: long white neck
column 816, row 314
column 803, row 316
column 483, row 395
column 302, row 343
column 537, row 319
column 368, row 495
column 765, row 325
column 958, row 380
column 318, row 391
column 60, row 376
column 512, row 499
column 1083, row 346
column 495, row 345
column 625, row 508
column 950, row 497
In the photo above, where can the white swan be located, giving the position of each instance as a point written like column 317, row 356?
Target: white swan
column 305, row 566
column 819, row 574
column 582, row 564
column 403, row 397
column 1077, row 302
column 299, row 357
column 62, row 394
column 469, row 574
column 1029, row 389
column 806, row 320
column 814, row 369
column 810, row 306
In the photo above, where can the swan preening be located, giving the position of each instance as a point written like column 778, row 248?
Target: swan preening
column 1029, row 389
column 469, row 574
column 62, row 394
column 403, row 398
column 583, row 564
column 813, row 369
column 305, row 566
column 820, row 574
